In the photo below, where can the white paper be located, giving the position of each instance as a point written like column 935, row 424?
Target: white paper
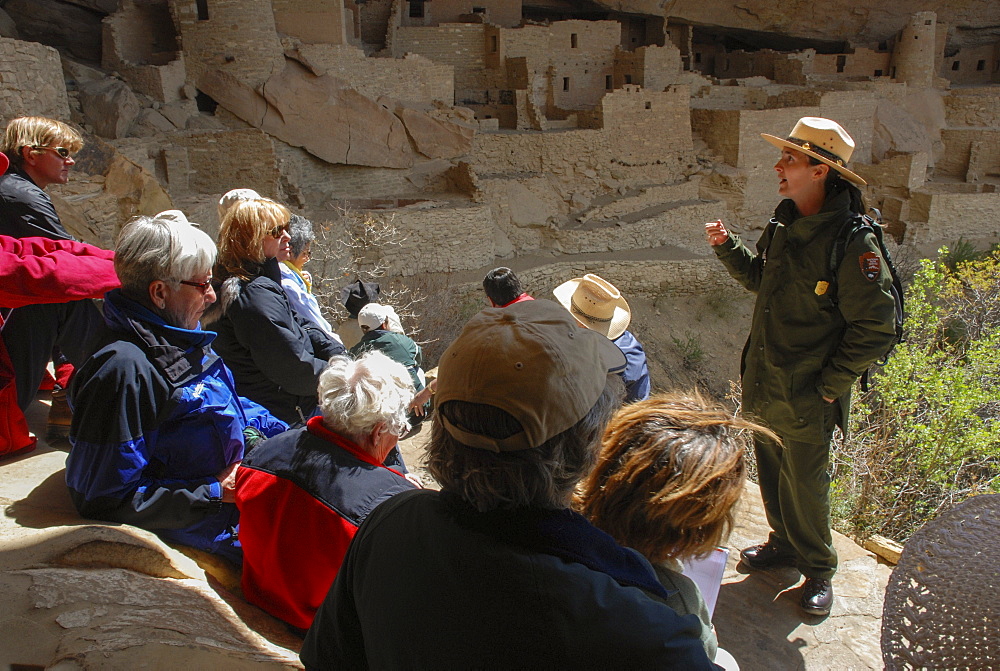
column 707, row 574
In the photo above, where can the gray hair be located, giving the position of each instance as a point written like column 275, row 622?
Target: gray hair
column 356, row 395
column 301, row 230
column 154, row 248
column 545, row 476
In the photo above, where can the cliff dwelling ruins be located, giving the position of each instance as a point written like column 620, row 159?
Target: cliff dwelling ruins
column 582, row 136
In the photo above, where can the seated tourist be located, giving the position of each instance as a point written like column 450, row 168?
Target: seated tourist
column 374, row 320
column 158, row 429
column 598, row 305
column 296, row 281
column 303, row 495
column 33, row 271
column 276, row 355
column 495, row 570
column 670, row 471
column 503, row 288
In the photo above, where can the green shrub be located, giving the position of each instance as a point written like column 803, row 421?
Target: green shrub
column 690, row 349
column 927, row 436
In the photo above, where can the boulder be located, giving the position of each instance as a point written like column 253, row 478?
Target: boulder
column 435, row 138
column 334, row 123
column 110, row 107
column 150, row 123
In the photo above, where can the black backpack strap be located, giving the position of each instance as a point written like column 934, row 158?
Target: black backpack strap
column 850, row 228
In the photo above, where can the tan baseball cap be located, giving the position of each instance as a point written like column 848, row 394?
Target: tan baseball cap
column 531, row 360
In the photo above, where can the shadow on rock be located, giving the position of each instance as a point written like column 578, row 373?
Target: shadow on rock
column 754, row 617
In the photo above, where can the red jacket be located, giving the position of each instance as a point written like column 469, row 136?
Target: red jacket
column 302, row 496
column 41, row 270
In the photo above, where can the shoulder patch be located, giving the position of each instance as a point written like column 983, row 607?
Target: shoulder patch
column 871, row 265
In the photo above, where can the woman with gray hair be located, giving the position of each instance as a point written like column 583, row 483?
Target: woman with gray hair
column 158, row 428
column 303, row 494
column 297, row 282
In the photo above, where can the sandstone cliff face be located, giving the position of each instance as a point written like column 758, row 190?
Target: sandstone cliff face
column 855, row 21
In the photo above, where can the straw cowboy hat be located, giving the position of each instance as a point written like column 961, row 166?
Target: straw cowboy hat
column 596, row 304
column 823, row 139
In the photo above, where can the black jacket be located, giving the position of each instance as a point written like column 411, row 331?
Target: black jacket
column 428, row 583
column 275, row 355
column 26, row 210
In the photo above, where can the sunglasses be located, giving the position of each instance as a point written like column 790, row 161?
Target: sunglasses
column 277, row 231
column 62, row 151
column 202, row 286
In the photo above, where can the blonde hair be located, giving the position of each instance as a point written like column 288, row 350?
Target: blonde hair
column 670, row 472
column 37, row 131
column 241, row 238
column 233, row 196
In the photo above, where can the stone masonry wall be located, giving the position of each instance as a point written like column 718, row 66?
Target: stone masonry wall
column 498, row 12
column 214, row 168
column 138, row 42
column 973, row 65
column 862, row 63
column 970, row 153
column 312, row 21
column 238, row 37
column 658, row 123
column 943, row 218
column 31, row 81
column 661, row 66
column 665, row 139
column 975, row 108
column 581, row 54
column 443, row 239
column 460, row 45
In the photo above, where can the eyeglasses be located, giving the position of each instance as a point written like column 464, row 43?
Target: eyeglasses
column 278, row 231
column 62, row 151
column 202, row 286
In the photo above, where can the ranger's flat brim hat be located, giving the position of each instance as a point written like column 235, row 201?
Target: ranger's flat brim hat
column 533, row 361
column 823, row 139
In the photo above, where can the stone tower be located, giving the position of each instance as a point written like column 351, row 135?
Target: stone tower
column 915, row 54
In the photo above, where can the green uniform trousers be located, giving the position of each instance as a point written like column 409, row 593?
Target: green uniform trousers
column 795, row 485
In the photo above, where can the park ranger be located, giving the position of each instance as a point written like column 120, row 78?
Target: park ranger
column 814, row 332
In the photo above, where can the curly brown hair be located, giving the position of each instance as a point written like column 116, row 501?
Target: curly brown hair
column 670, row 472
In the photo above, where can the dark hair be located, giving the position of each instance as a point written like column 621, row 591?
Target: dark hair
column 670, row 471
column 836, row 183
column 543, row 477
column 502, row 286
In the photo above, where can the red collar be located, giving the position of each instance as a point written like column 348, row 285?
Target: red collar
column 520, row 299
column 315, row 426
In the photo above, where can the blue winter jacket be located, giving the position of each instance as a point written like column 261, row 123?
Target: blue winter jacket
column 156, row 418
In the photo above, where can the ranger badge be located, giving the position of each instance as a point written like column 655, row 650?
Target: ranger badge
column 821, row 288
column 871, row 265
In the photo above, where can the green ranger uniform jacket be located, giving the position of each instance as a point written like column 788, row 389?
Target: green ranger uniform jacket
column 812, row 335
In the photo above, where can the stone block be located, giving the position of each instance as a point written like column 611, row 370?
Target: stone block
column 110, row 107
